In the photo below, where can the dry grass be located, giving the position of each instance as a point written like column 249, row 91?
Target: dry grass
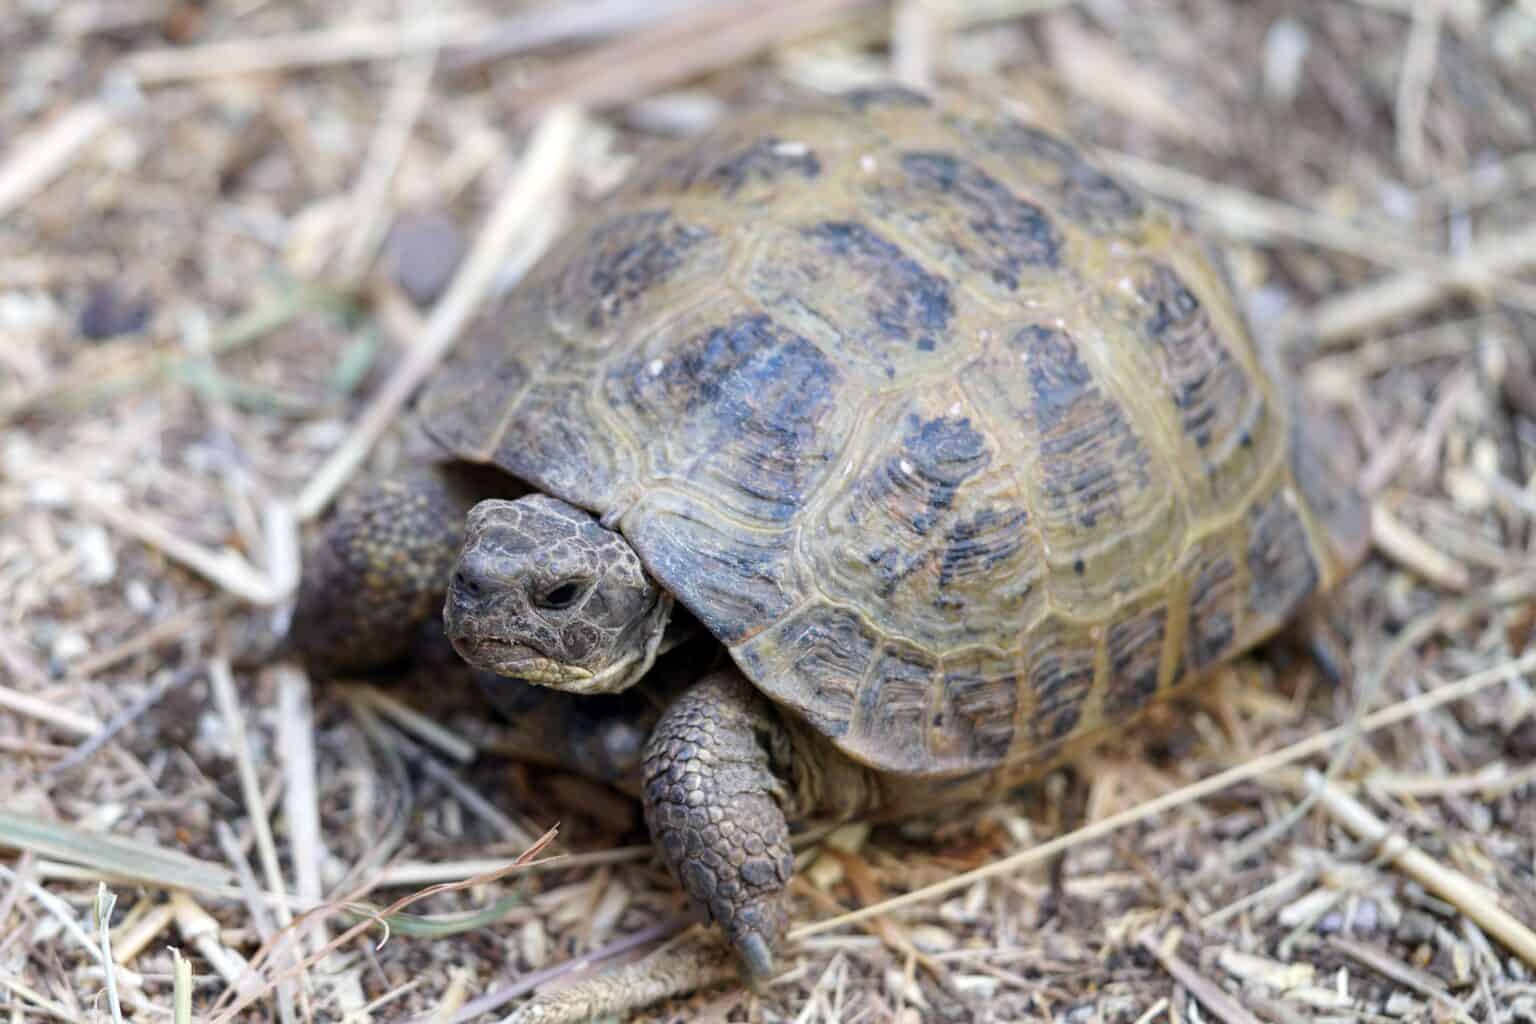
column 234, row 179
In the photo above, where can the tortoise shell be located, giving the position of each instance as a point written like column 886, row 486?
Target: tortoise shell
column 962, row 447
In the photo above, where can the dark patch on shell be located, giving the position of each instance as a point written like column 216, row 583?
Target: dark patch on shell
column 904, row 300
column 978, row 702
column 1007, row 233
column 828, row 651
column 893, row 705
column 751, row 396
column 1060, row 679
column 1212, row 612
column 1086, row 194
column 975, row 546
column 736, row 169
column 620, row 261
column 1279, row 559
column 1087, row 450
column 731, row 579
column 1135, row 653
column 917, row 486
column 1216, row 403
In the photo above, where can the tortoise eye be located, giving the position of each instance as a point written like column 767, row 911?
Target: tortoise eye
column 562, row 595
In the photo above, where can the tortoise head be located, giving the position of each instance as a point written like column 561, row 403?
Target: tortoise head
column 543, row 593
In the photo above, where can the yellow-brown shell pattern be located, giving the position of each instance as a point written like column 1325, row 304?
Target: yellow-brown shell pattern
column 961, row 446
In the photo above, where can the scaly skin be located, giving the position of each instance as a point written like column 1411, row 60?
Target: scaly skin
column 378, row 571
column 714, row 804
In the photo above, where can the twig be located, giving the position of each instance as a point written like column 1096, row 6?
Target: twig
column 301, row 801
column 1244, row 215
column 37, row 160
column 120, row 721
column 182, row 989
column 692, row 961
column 564, row 21
column 222, row 686
column 1418, row 72
column 1450, row 885
column 62, row 719
column 105, row 902
column 543, row 173
column 370, row 199
column 1410, row 292
column 233, row 1011
column 1211, row 996
column 133, row 939
column 416, row 723
column 409, row 873
column 307, row 49
column 199, row 928
column 1262, row 765
column 1424, row 984
column 1393, row 538
column 696, row 42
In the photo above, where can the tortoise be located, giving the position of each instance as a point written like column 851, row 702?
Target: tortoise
column 961, row 450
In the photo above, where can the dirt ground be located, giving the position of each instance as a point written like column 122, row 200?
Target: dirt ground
column 233, row 234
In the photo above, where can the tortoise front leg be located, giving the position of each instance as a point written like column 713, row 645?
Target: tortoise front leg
column 714, row 805
column 599, row 736
column 380, row 567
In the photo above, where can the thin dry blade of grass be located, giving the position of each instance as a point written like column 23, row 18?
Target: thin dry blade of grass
column 1450, row 885
column 299, row 50
column 691, row 961
column 544, row 170
column 370, row 199
column 1210, row 995
column 1317, row 744
column 38, row 159
column 110, row 855
column 705, row 39
column 63, row 719
column 565, row 21
column 237, row 1005
column 1409, row 293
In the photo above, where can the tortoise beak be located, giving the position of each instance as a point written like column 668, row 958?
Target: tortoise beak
column 507, row 658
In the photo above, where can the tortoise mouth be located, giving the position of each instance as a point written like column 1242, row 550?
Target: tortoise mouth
column 515, row 660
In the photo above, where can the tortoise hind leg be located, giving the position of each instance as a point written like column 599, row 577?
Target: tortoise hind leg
column 715, row 808
column 379, row 569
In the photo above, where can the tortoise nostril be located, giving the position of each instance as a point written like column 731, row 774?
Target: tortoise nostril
column 467, row 584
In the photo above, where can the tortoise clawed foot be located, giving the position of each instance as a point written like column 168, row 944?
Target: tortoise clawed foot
column 709, row 801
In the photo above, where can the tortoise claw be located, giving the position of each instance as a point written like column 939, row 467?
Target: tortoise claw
column 756, row 958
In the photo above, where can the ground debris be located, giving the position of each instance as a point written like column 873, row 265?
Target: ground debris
column 183, row 180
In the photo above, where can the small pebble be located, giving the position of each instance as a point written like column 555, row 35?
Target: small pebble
column 423, row 251
column 98, row 563
column 534, row 943
column 1367, row 916
column 933, row 939
column 67, row 646
column 108, row 313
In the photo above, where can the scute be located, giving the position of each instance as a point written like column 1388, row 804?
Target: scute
column 960, row 445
